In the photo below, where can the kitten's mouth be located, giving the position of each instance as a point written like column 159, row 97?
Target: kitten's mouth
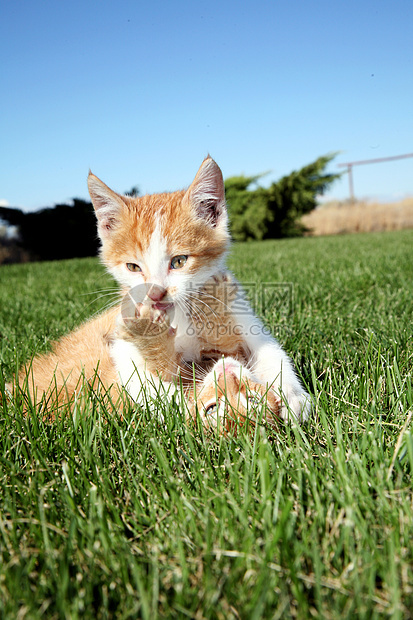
column 163, row 305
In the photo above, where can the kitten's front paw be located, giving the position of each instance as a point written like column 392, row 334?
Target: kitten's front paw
column 146, row 320
column 147, row 311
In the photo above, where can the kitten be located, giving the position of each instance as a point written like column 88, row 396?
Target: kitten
column 165, row 248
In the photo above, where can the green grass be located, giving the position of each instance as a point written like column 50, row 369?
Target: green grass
column 103, row 516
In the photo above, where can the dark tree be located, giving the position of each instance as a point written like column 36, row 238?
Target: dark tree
column 63, row 231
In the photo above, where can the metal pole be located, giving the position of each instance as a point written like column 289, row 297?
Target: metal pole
column 350, row 182
column 349, row 166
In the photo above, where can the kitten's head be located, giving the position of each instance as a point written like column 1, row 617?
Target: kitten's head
column 230, row 395
column 168, row 241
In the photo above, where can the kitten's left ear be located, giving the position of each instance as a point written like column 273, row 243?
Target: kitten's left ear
column 107, row 204
column 207, row 193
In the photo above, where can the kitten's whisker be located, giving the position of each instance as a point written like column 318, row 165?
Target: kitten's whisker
column 115, row 289
column 191, row 295
column 182, row 304
column 178, row 374
column 190, row 309
column 102, row 293
column 213, row 298
column 197, row 370
column 198, row 312
column 194, row 300
column 102, row 297
column 113, row 293
column 105, row 308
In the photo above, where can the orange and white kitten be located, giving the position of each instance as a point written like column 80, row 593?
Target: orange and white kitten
column 164, row 249
column 172, row 248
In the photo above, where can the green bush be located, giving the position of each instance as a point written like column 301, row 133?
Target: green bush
column 274, row 212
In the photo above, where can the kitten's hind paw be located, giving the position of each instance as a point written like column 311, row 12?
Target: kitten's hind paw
column 296, row 406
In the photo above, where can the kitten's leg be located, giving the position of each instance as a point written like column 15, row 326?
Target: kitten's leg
column 144, row 352
column 270, row 363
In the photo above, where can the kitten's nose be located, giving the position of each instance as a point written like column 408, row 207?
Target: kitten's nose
column 156, row 293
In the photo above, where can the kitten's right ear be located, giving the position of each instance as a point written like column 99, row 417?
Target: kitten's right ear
column 207, row 193
column 107, row 204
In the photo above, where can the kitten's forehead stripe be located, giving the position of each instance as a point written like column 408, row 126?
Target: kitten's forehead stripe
column 156, row 256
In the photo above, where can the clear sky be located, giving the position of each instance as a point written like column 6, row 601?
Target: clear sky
column 140, row 91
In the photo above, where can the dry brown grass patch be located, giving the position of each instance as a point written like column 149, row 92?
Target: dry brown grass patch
column 342, row 217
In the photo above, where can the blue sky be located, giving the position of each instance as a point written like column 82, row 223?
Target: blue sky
column 141, row 91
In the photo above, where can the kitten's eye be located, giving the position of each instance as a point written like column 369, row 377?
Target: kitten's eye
column 133, row 267
column 211, row 409
column 178, row 261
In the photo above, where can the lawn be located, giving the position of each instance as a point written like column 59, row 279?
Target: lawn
column 103, row 516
